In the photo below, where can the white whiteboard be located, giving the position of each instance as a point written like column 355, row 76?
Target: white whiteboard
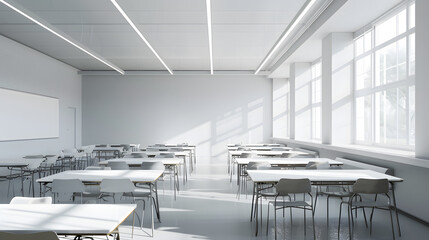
column 27, row 116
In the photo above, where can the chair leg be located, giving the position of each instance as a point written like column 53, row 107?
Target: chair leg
column 253, row 202
column 391, row 221
column 339, row 220
column 268, row 216
column 275, row 221
column 305, row 223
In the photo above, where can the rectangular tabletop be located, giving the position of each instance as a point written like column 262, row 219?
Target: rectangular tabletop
column 96, row 176
column 14, row 162
column 119, row 149
column 326, row 176
column 154, row 153
column 256, row 145
column 138, row 161
column 287, row 161
column 266, row 153
column 165, row 148
column 73, row 219
column 261, row 148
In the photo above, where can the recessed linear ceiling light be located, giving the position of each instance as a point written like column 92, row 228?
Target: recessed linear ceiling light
column 307, row 7
column 209, row 26
column 61, row 36
column 140, row 34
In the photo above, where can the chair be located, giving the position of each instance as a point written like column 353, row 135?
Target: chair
column 157, row 165
column 138, row 155
column 74, row 186
column 118, row 165
column 8, row 175
column 372, row 187
column 261, row 191
column 110, row 187
column 285, row 187
column 28, row 236
column 29, row 200
column 32, row 168
column 49, row 166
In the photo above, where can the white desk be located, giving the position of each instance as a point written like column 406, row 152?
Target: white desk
column 281, row 162
column 317, row 177
column 149, row 177
column 20, row 163
column 64, row 219
column 260, row 148
column 189, row 148
column 256, row 145
column 172, row 163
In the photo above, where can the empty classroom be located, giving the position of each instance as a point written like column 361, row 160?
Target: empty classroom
column 214, row 119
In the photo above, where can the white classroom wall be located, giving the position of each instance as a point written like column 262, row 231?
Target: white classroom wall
column 209, row 111
column 25, row 69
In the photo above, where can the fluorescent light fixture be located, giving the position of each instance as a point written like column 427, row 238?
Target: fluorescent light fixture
column 209, row 28
column 309, row 4
column 140, row 34
column 61, row 36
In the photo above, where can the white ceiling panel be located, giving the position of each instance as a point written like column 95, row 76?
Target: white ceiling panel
column 243, row 31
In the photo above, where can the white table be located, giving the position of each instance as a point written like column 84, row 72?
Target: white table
column 189, row 148
column 20, row 163
column 260, row 148
column 64, row 219
column 281, row 162
column 317, row 177
column 171, row 163
column 256, row 145
column 149, row 177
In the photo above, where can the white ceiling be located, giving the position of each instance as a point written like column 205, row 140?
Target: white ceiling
column 243, row 31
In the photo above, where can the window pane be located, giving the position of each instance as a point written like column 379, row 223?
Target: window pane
column 359, row 46
column 316, row 90
column 368, row 41
column 390, row 63
column 316, row 122
column 412, row 54
column 412, row 15
column 411, row 112
column 390, row 28
column 363, row 72
column 391, row 116
column 363, row 118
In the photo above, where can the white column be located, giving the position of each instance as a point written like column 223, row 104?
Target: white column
column 422, row 78
column 337, row 88
column 302, row 79
column 280, row 107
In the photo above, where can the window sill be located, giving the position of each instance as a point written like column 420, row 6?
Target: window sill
column 393, row 155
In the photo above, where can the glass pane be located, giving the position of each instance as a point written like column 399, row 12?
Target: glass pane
column 412, row 54
column 368, row 41
column 385, row 30
column 359, row 46
column 390, row 63
column 391, row 116
column 402, row 22
column 412, row 15
column 316, row 90
column 316, row 122
column 363, row 118
column 411, row 112
column 363, row 73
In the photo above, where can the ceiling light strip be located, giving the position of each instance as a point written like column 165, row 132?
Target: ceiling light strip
column 62, row 37
column 209, row 28
column 140, row 34
column 291, row 27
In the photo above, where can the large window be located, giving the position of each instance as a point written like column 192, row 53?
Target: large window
column 316, row 98
column 384, row 81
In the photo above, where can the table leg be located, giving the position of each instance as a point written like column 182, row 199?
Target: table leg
column 256, row 208
column 22, row 181
column 151, row 206
column 396, row 209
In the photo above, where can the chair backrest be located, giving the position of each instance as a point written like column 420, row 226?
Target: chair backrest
column 116, row 185
column 287, row 186
column 152, row 165
column 138, row 155
column 371, row 186
column 29, row 236
column 318, row 165
column 51, row 160
column 258, row 165
column 126, row 147
column 67, row 186
column 118, row 165
column 165, row 155
column 246, row 155
column 35, row 163
column 175, row 149
column 30, row 200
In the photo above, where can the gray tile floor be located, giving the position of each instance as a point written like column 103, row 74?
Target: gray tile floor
column 207, row 208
